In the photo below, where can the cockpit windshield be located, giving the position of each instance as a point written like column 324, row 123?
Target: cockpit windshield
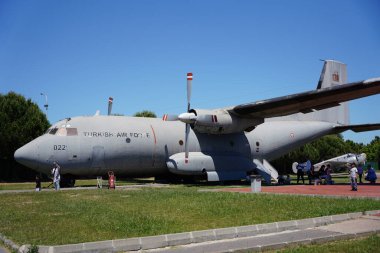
column 63, row 131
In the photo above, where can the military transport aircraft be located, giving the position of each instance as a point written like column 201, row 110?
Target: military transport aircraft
column 221, row 144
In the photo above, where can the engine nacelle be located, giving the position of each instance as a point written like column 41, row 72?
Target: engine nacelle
column 221, row 122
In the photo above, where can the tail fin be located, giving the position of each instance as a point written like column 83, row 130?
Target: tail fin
column 334, row 73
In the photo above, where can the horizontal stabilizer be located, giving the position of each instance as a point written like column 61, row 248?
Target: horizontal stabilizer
column 358, row 128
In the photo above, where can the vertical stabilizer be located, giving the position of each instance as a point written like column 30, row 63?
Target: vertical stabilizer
column 334, row 73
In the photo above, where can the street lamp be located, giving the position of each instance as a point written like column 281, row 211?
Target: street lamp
column 46, row 105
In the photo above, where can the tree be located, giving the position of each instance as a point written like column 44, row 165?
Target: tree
column 21, row 121
column 146, row 114
column 373, row 150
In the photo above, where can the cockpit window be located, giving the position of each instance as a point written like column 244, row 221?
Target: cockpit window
column 53, row 131
column 71, row 131
column 64, row 131
column 61, row 132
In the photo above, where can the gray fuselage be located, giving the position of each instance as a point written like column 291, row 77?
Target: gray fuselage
column 130, row 146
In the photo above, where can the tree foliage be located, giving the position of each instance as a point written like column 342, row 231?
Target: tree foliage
column 325, row 148
column 21, row 121
column 146, row 114
column 373, row 150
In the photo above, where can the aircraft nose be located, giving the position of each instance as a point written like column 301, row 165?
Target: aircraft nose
column 27, row 155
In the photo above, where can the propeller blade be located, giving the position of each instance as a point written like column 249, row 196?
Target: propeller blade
column 170, row 117
column 189, row 80
column 188, row 117
column 187, row 143
column 110, row 101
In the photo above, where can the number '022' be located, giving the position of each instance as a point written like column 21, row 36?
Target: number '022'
column 59, row 147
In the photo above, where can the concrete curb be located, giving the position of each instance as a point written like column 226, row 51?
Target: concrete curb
column 170, row 240
column 9, row 243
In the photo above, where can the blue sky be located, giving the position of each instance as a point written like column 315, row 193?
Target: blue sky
column 81, row 52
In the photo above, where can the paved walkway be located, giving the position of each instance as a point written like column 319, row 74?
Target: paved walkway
column 348, row 229
column 364, row 190
column 3, row 250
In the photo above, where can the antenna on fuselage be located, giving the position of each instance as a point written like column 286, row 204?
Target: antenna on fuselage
column 110, row 101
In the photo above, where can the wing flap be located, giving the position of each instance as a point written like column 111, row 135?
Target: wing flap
column 308, row 101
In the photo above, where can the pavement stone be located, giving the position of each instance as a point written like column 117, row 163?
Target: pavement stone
column 355, row 226
column 203, row 235
column 3, row 250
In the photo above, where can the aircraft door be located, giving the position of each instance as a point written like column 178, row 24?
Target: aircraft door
column 73, row 149
column 97, row 160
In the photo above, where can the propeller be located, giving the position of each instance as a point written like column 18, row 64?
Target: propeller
column 188, row 117
column 110, row 101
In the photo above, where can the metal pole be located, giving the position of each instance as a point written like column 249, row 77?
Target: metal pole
column 46, row 105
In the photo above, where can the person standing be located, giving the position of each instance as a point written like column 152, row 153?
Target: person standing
column 38, row 183
column 360, row 173
column 300, row 174
column 310, row 174
column 56, row 175
column 328, row 179
column 353, row 172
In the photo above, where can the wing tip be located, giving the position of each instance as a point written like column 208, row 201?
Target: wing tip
column 372, row 80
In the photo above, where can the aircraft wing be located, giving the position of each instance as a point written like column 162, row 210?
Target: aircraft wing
column 308, row 101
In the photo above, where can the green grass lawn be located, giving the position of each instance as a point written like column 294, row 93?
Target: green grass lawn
column 51, row 218
column 369, row 244
column 78, row 183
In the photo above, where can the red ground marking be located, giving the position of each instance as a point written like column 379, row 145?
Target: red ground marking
column 364, row 190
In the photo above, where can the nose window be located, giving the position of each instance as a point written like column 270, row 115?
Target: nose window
column 53, row 131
